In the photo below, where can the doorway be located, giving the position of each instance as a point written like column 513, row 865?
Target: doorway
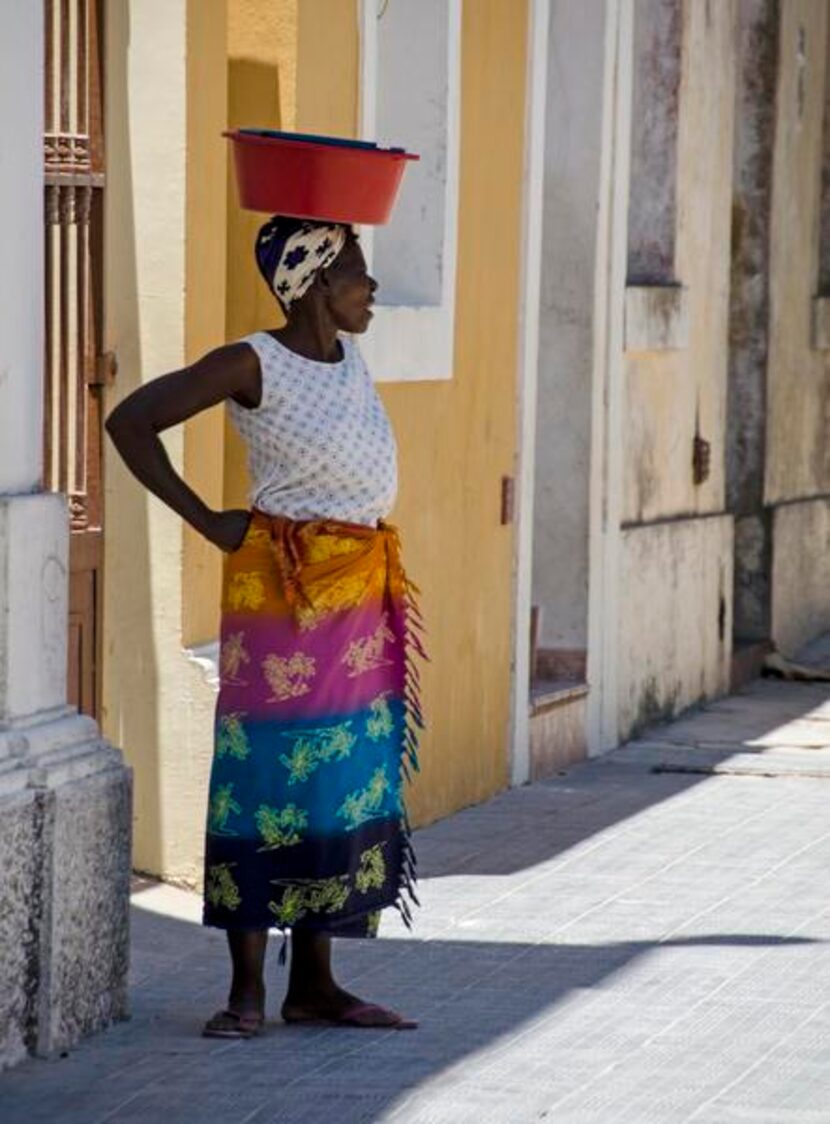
column 75, row 370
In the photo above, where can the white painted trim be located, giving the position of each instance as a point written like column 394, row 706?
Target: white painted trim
column 528, row 374
column 602, row 726
column 408, row 344
column 367, row 49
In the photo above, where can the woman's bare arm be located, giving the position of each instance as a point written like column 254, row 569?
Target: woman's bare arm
column 134, row 426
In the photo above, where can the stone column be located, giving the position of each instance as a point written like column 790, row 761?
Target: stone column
column 64, row 792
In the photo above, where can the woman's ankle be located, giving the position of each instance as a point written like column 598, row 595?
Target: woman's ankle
column 302, row 991
column 247, row 994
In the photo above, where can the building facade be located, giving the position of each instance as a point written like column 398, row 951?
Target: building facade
column 608, row 400
column 602, row 334
column 681, row 471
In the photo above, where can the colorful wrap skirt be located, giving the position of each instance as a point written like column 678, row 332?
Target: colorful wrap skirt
column 317, row 725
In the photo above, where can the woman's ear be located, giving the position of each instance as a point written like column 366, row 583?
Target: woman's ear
column 323, row 280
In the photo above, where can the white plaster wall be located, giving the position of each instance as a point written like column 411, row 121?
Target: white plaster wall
column 675, row 637
column 411, row 111
column 573, row 142
column 800, row 573
column 412, row 337
column 33, row 604
column 21, row 278
column 608, row 383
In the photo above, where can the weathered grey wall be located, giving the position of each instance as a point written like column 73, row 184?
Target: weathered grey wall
column 675, row 628
column 798, row 389
column 85, row 938
column 566, row 328
column 800, row 573
column 676, row 586
column 672, row 394
column 652, row 206
column 20, row 827
column 824, row 233
column 749, row 314
column 798, row 374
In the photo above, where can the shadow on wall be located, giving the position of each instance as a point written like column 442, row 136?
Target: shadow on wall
column 129, row 715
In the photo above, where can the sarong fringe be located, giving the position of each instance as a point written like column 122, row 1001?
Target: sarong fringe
column 413, row 631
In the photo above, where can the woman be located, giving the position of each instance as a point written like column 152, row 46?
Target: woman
column 317, row 715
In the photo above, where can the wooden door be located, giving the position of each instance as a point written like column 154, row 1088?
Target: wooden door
column 75, row 369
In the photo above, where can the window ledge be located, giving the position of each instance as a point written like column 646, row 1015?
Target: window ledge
column 546, row 695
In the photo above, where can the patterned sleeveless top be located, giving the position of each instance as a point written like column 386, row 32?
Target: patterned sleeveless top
column 320, row 444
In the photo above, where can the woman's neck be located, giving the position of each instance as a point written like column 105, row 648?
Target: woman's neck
column 312, row 336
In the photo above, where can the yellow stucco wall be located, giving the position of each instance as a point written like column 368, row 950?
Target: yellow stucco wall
column 456, row 438
column 262, row 82
column 205, row 266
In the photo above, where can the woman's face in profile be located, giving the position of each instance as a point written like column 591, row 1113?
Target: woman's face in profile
column 349, row 289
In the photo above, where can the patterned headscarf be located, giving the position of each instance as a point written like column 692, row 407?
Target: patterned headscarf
column 291, row 252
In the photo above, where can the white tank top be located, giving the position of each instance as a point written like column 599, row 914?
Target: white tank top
column 320, row 444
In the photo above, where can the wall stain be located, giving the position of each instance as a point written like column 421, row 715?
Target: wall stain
column 651, row 709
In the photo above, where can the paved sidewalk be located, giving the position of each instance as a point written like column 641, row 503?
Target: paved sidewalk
column 619, row 945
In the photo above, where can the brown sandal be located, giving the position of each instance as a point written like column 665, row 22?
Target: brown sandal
column 233, row 1024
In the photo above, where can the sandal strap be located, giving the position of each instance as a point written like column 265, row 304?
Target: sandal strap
column 238, row 1017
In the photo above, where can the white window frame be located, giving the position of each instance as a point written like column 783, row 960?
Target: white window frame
column 409, row 343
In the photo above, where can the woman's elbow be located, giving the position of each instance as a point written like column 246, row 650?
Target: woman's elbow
column 124, row 423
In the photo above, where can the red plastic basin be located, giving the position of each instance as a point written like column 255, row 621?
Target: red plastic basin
column 316, row 178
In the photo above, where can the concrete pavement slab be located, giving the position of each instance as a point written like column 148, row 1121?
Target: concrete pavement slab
column 615, row 945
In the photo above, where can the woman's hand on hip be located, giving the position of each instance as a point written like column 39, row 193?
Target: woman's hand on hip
column 227, row 529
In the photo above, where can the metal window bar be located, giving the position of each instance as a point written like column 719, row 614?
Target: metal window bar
column 73, row 181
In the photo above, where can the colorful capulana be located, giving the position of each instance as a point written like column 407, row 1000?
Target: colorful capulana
column 317, row 726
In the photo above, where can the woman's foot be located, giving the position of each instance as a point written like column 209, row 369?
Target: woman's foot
column 244, row 1016
column 332, row 1006
column 314, row 997
column 234, row 1024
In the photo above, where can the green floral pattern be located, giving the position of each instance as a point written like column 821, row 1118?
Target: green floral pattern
column 221, row 889
column 312, row 748
column 326, row 895
column 372, row 923
column 364, row 804
column 280, row 827
column 380, row 723
column 231, row 739
column 371, row 873
column 222, row 806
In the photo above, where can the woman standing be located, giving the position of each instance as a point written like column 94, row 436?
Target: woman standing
column 317, row 716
